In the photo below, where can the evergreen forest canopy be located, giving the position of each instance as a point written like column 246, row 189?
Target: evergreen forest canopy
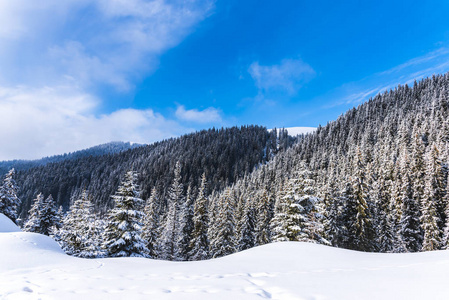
column 223, row 154
column 376, row 179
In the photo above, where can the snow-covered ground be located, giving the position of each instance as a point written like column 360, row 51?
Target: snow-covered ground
column 32, row 266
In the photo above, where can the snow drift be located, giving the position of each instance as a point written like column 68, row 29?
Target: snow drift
column 32, row 266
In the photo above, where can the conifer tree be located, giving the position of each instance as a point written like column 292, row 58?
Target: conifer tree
column 150, row 229
column 33, row 223
column 124, row 228
column 186, row 226
column 200, row 241
column 246, row 230
column 170, row 233
column 48, row 216
column 410, row 228
column 223, row 241
column 78, row 235
column 9, row 202
column 363, row 229
column 429, row 216
column 264, row 216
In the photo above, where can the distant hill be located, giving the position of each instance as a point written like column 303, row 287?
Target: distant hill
column 108, row 148
column 224, row 155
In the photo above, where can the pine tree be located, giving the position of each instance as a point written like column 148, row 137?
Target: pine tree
column 297, row 217
column 170, row 233
column 200, row 242
column 383, row 219
column 48, row 216
column 9, row 202
column 78, row 235
column 186, row 226
column 124, row 228
column 33, row 223
column 150, row 229
column 429, row 216
column 223, row 241
column 264, row 216
column 410, row 229
column 445, row 244
column 246, row 230
column 363, row 229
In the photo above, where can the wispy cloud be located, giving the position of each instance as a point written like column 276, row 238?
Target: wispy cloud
column 54, row 56
column 208, row 115
column 287, row 76
column 98, row 41
column 45, row 121
column 435, row 62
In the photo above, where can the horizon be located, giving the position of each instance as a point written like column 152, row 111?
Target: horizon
column 77, row 74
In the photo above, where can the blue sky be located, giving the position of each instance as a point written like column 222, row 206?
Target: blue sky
column 77, row 73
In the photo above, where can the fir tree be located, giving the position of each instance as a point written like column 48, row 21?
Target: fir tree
column 429, row 216
column 150, row 229
column 186, row 226
column 246, row 239
column 33, row 223
column 223, row 241
column 200, row 242
column 362, row 228
column 124, row 228
column 9, row 202
column 170, row 232
column 264, row 216
column 78, row 235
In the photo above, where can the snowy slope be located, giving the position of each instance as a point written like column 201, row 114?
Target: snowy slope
column 33, row 267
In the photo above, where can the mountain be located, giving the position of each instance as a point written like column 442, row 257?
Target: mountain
column 222, row 154
column 33, row 266
column 375, row 179
column 108, row 148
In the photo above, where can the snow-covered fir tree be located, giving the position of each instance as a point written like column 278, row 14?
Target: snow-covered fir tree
column 123, row 233
column 200, row 243
column 410, row 225
column 429, row 216
column 169, row 249
column 150, row 229
column 223, row 240
column 33, row 223
column 78, row 235
column 186, row 226
column 246, row 227
column 42, row 216
column 263, row 217
column 9, row 202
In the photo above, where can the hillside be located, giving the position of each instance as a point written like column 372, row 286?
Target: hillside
column 109, row 148
column 33, row 266
column 375, row 179
column 224, row 155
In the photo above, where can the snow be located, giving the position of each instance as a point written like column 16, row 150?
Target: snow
column 293, row 131
column 6, row 225
column 32, row 266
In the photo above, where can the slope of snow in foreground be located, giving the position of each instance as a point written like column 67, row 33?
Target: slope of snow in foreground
column 33, row 266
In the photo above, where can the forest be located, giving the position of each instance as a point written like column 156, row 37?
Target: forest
column 374, row 180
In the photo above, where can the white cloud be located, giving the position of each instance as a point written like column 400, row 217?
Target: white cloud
column 47, row 121
column 97, row 41
column 55, row 53
column 208, row 115
column 288, row 76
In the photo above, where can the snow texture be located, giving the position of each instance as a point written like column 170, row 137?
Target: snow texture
column 32, row 266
